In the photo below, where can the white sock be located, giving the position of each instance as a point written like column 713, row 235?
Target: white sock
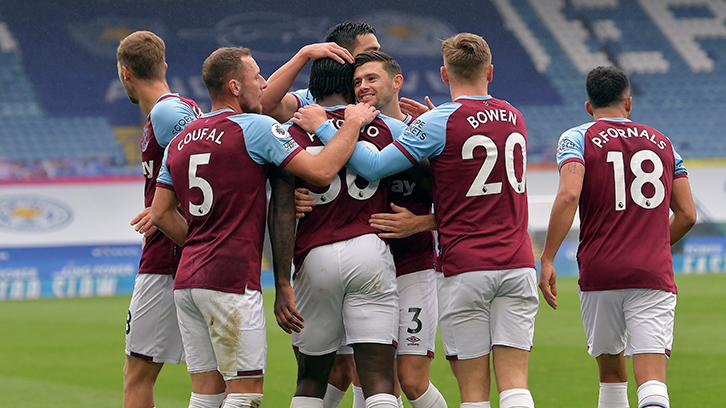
column 359, row 399
column 247, row 400
column 432, row 398
column 653, row 394
column 382, row 401
column 516, row 398
column 484, row 404
column 206, row 400
column 333, row 397
column 306, row 402
column 400, row 402
column 613, row 395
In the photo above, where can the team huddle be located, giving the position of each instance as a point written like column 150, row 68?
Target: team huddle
column 360, row 179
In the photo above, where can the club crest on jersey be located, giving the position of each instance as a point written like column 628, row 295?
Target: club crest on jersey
column 279, row 131
column 145, row 139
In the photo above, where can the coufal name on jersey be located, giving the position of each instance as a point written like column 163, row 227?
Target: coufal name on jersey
column 613, row 133
column 200, row 134
column 491, row 115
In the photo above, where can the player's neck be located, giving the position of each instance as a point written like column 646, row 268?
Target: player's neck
column 610, row 113
column 332, row 100
column 149, row 93
column 392, row 109
column 468, row 89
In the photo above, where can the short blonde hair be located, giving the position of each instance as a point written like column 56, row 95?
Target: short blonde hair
column 466, row 56
column 143, row 53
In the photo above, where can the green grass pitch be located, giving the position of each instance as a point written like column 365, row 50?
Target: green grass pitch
column 69, row 353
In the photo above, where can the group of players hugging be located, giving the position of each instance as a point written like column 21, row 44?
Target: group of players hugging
column 359, row 181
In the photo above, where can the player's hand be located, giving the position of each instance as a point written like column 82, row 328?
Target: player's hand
column 310, row 117
column 288, row 318
column 142, row 222
column 327, row 50
column 414, row 108
column 401, row 223
column 304, row 202
column 361, row 112
column 548, row 283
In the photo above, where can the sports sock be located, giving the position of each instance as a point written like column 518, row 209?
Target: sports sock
column 613, row 395
column 400, row 402
column 382, row 401
column 432, row 398
column 483, row 404
column 333, row 397
column 516, row 398
column 206, row 400
column 247, row 400
column 359, row 399
column 306, row 402
column 653, row 394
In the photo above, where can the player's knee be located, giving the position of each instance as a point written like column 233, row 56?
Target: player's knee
column 138, row 373
column 413, row 384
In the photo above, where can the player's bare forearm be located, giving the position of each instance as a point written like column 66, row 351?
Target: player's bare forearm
column 275, row 100
column 572, row 175
column 684, row 215
column 281, row 223
column 166, row 217
column 401, row 223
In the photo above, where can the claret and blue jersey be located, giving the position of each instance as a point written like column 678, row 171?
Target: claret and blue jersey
column 626, row 191
column 477, row 149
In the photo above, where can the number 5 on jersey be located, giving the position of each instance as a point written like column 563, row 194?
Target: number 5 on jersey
column 195, row 161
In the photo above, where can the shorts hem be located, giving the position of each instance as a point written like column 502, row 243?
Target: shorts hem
column 455, row 357
column 153, row 359
column 201, row 370
column 259, row 373
column 427, row 353
column 316, row 353
column 514, row 346
column 374, row 341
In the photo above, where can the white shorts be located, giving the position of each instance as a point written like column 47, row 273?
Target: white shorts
column 152, row 330
column 480, row 309
column 346, row 288
column 419, row 313
column 223, row 331
column 639, row 321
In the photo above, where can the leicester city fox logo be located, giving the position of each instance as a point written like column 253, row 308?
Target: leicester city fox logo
column 34, row 214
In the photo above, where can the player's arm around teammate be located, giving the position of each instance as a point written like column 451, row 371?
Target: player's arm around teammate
column 279, row 104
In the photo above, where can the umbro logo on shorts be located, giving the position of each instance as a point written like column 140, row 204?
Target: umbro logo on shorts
column 413, row 341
